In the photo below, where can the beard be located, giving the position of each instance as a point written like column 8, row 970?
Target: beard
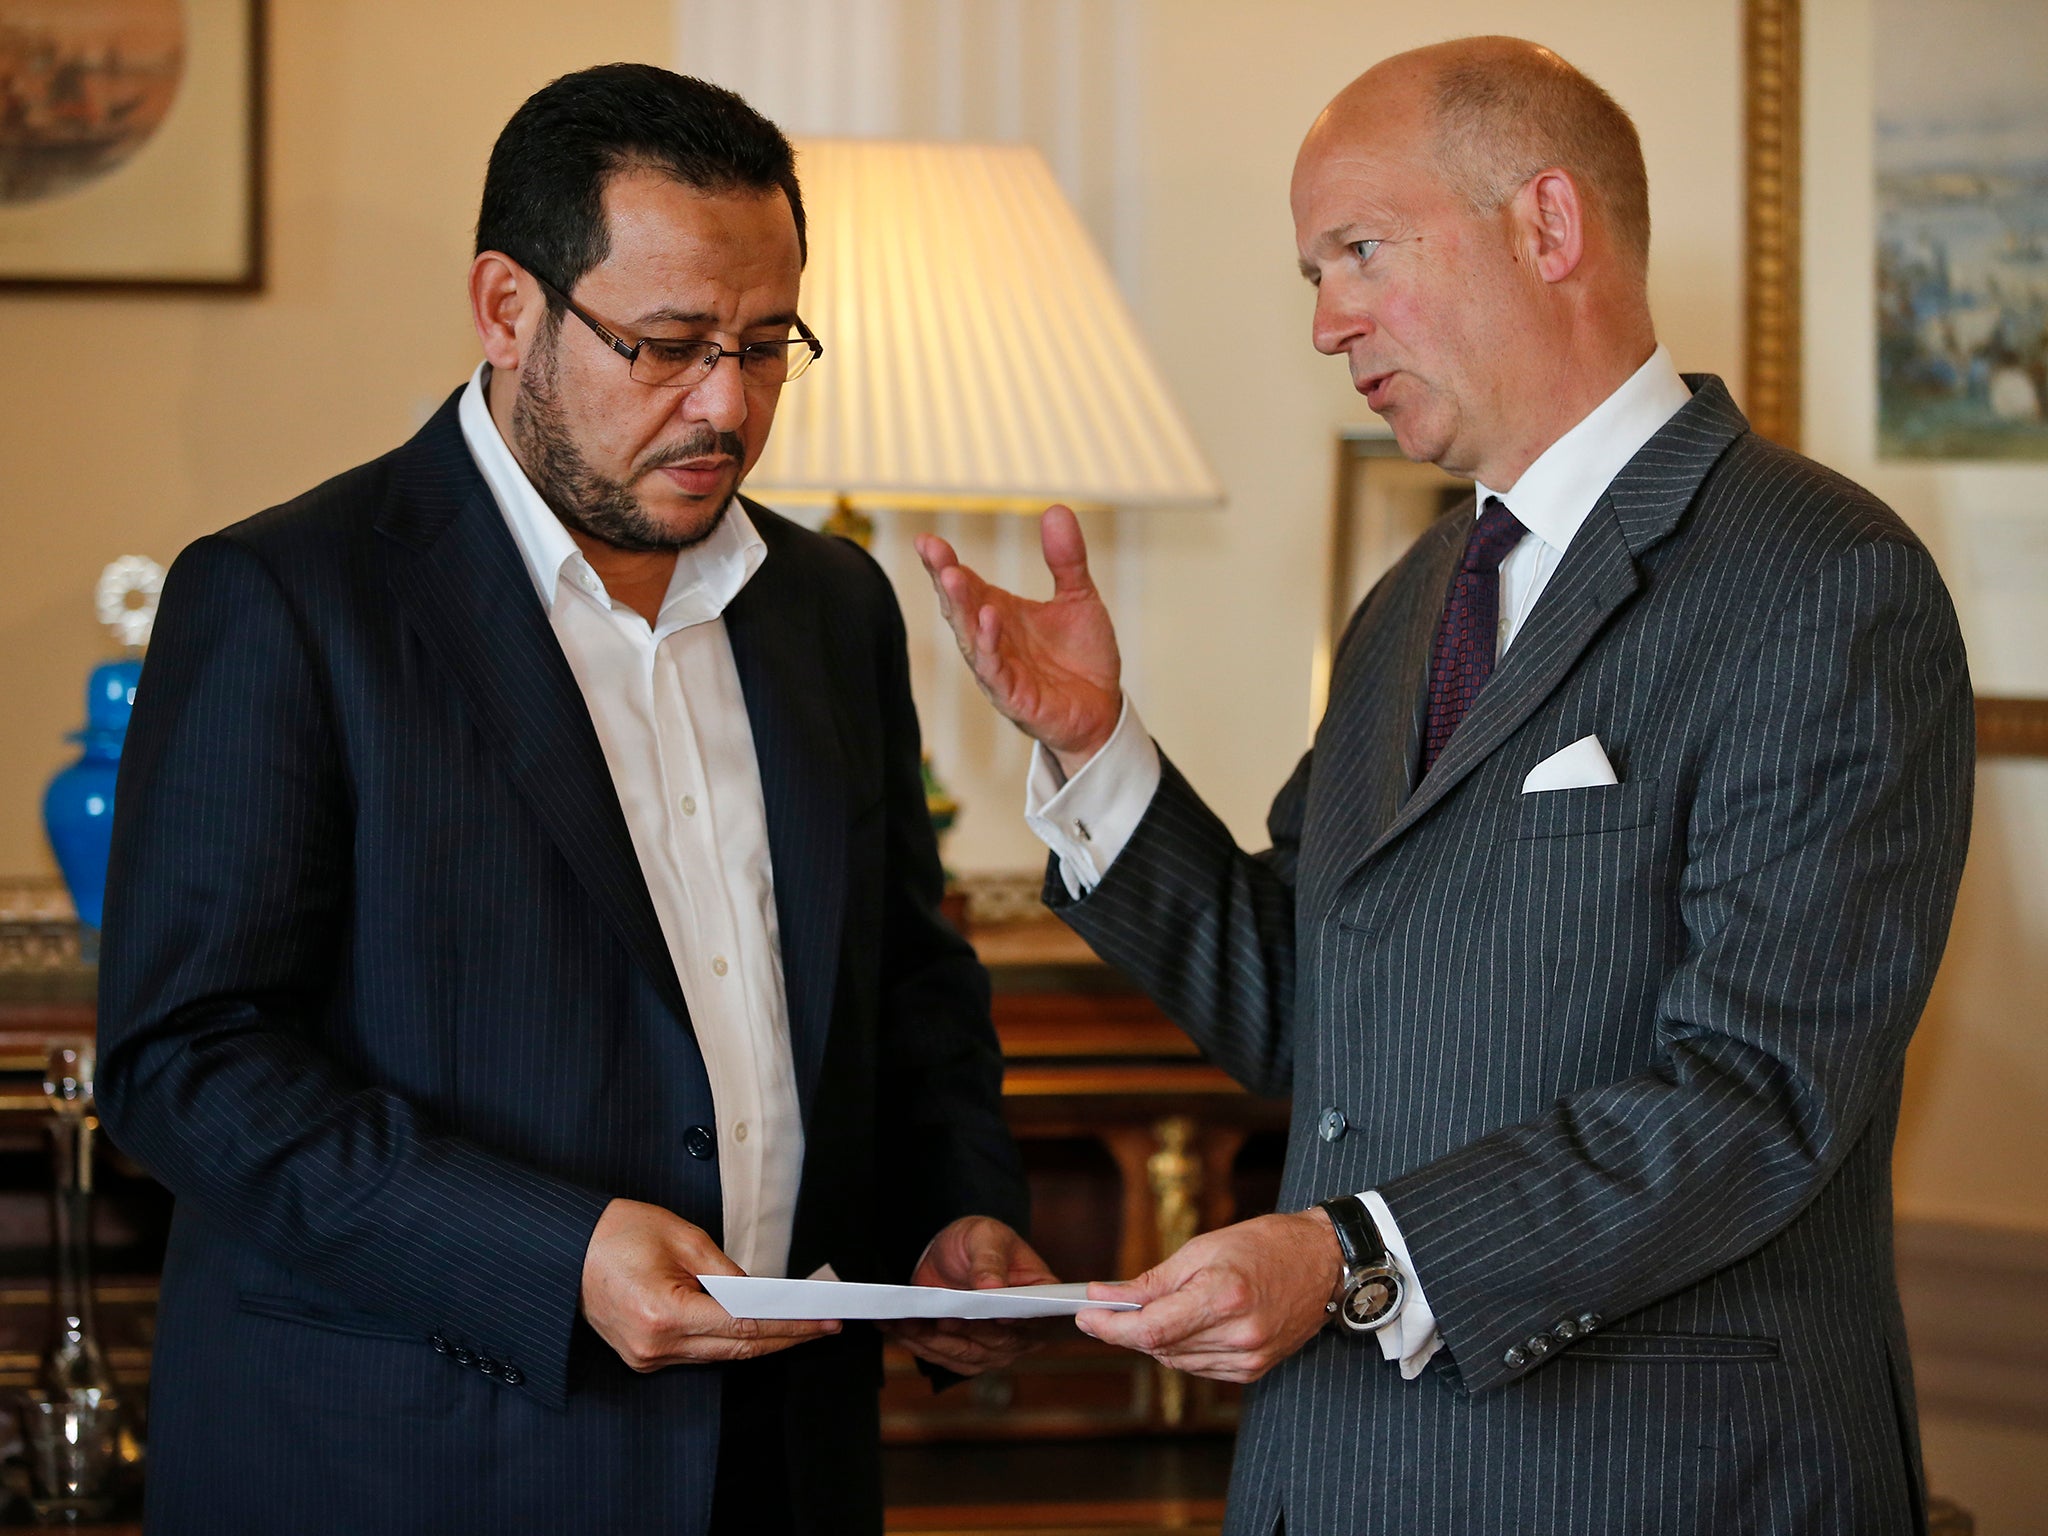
column 590, row 502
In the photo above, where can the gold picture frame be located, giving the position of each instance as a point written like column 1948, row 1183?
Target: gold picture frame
column 131, row 146
column 1772, row 355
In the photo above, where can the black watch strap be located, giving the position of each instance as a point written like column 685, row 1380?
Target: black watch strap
column 1358, row 1235
column 1372, row 1289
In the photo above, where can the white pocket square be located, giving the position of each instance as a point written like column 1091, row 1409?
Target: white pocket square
column 1579, row 766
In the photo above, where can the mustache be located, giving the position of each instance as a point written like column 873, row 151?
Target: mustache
column 700, row 444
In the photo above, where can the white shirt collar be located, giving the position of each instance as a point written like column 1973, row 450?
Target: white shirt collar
column 707, row 577
column 1555, row 493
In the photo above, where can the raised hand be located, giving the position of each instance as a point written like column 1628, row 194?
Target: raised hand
column 640, row 1293
column 1051, row 668
column 975, row 1253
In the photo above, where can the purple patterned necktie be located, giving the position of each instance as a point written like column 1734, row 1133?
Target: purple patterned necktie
column 1462, row 658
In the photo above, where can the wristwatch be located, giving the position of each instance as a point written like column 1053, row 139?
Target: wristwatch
column 1372, row 1291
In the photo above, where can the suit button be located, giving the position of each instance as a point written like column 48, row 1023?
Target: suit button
column 1514, row 1359
column 1333, row 1125
column 440, row 1344
column 461, row 1356
column 513, row 1376
column 1588, row 1321
column 487, row 1365
column 1565, row 1330
column 700, row 1143
column 1539, row 1345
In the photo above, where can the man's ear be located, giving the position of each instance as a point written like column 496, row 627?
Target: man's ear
column 499, row 303
column 1550, row 220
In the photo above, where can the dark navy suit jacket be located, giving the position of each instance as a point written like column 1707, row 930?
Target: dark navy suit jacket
column 385, row 1003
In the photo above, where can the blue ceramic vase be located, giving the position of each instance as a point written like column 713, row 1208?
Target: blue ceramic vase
column 78, row 809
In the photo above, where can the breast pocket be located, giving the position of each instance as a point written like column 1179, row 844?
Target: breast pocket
column 1584, row 898
column 1582, row 812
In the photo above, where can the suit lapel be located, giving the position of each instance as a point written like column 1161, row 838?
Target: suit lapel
column 779, row 644
column 460, row 579
column 1598, row 576
column 1366, row 741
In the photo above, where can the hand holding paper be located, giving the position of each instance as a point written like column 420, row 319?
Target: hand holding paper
column 975, row 1253
column 640, row 1292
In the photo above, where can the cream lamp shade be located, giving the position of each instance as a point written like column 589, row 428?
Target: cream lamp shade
column 978, row 356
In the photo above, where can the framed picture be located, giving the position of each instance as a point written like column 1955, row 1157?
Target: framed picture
column 1384, row 502
column 131, row 144
column 1915, row 343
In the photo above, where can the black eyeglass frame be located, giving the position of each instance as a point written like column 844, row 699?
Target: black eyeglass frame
column 630, row 351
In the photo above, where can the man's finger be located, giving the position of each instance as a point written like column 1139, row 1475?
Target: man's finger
column 935, row 553
column 1172, row 1320
column 1065, row 550
column 988, row 1259
column 700, row 1315
column 1028, row 1268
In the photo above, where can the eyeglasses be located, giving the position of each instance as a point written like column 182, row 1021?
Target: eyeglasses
column 677, row 364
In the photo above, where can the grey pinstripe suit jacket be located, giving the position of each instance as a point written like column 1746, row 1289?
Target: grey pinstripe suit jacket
column 1629, row 1055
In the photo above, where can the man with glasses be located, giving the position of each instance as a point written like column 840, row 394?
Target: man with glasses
column 524, row 903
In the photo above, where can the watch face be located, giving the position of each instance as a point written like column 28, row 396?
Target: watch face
column 1374, row 1297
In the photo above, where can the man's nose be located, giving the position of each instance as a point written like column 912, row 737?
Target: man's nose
column 719, row 399
column 1338, row 321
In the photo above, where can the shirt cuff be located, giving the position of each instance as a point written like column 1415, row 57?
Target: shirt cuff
column 1412, row 1338
column 1086, row 820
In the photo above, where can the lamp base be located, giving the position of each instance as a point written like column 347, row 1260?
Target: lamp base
column 845, row 523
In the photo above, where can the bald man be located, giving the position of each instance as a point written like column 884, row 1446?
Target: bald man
column 1594, row 925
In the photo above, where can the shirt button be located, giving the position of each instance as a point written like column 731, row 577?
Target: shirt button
column 739, row 1132
column 689, row 805
column 1514, row 1359
column 1333, row 1124
column 718, row 965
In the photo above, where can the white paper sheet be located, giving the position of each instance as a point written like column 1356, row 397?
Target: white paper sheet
column 805, row 1300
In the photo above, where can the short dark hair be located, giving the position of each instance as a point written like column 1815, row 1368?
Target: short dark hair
column 543, row 202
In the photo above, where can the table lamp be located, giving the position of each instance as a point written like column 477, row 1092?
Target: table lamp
column 978, row 356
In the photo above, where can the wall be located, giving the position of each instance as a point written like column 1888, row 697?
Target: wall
column 134, row 424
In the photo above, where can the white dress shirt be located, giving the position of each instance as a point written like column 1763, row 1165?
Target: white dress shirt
column 666, row 702
column 1086, row 820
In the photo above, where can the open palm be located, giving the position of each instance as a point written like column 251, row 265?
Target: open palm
column 1050, row 667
